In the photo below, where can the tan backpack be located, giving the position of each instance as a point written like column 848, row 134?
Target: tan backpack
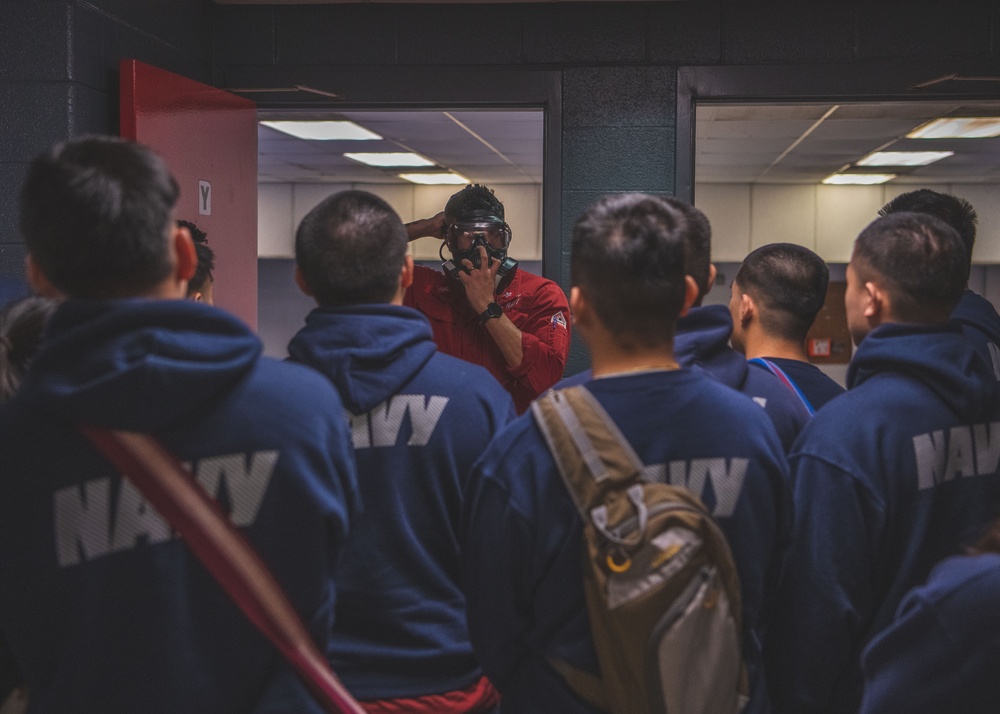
column 663, row 596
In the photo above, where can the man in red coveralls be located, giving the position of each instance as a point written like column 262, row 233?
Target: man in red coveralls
column 481, row 307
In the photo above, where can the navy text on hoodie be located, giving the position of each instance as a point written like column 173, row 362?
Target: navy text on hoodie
column 888, row 479
column 420, row 419
column 105, row 609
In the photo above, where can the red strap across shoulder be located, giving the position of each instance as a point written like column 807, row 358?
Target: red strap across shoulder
column 225, row 552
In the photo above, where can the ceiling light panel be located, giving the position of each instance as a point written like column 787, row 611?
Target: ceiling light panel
column 390, row 159
column 958, row 128
column 857, row 179
column 429, row 179
column 904, row 158
column 323, row 130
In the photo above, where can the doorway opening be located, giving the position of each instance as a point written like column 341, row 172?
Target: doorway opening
column 816, row 173
column 501, row 148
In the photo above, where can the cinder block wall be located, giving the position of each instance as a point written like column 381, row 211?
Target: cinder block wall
column 59, row 77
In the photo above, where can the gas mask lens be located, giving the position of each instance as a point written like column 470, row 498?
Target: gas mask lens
column 464, row 239
column 463, row 236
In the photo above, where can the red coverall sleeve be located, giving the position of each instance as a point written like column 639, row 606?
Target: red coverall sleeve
column 545, row 334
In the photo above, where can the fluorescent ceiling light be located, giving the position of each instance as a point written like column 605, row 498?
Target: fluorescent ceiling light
column 390, row 159
column 858, row 179
column 904, row 158
column 323, row 130
column 435, row 179
column 958, row 128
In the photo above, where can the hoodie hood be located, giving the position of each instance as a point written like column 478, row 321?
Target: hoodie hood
column 702, row 340
column 369, row 352
column 139, row 364
column 978, row 313
column 939, row 356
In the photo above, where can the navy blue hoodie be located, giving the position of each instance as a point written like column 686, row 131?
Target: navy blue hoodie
column 888, row 479
column 420, row 418
column 522, row 535
column 702, row 340
column 981, row 324
column 942, row 653
column 814, row 384
column 104, row 608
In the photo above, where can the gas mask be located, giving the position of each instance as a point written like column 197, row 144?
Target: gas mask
column 464, row 239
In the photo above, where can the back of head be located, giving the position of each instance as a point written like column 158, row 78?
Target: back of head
column 350, row 249
column 206, row 259
column 22, row 324
column 919, row 259
column 956, row 212
column 699, row 243
column 96, row 215
column 473, row 201
column 628, row 259
column 788, row 283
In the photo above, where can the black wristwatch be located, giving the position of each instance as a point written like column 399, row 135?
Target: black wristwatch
column 492, row 310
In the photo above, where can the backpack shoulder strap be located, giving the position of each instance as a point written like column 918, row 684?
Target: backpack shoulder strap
column 784, row 379
column 591, row 453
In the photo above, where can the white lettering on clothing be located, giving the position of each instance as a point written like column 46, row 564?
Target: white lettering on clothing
column 81, row 517
column 994, row 351
column 136, row 518
column 726, row 479
column 960, row 452
column 245, row 483
column 383, row 424
column 91, row 522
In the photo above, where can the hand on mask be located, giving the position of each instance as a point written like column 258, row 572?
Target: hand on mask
column 479, row 282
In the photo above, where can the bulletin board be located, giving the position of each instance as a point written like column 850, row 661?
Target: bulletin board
column 829, row 341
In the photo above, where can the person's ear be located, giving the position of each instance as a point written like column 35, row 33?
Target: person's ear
column 406, row 273
column 747, row 309
column 39, row 281
column 712, row 273
column 196, row 296
column 300, row 281
column 185, row 254
column 405, row 280
column 876, row 301
column 579, row 308
column 690, row 294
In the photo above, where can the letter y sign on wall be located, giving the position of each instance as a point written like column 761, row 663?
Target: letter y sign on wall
column 204, row 198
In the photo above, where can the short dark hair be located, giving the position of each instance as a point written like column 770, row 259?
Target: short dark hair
column 96, row 215
column 473, row 200
column 628, row 258
column 789, row 283
column 22, row 324
column 953, row 210
column 350, row 249
column 699, row 243
column 206, row 259
column 921, row 259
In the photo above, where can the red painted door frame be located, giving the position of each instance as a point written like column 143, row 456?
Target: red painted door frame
column 208, row 138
